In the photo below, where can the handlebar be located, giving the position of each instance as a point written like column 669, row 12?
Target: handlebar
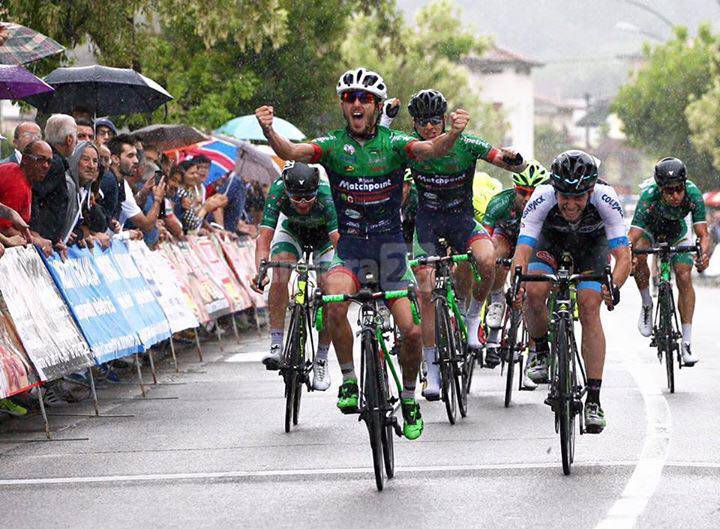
column 433, row 259
column 503, row 262
column 265, row 265
column 365, row 295
column 665, row 249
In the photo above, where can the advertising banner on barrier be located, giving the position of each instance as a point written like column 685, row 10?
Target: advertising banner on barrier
column 231, row 251
column 43, row 321
column 215, row 301
column 246, row 267
column 193, row 298
column 103, row 323
column 154, row 326
column 160, row 278
column 219, row 271
column 16, row 373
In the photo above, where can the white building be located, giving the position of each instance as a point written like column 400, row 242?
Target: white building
column 504, row 78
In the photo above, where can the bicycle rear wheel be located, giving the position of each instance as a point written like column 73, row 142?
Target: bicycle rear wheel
column 388, row 432
column 509, row 349
column 444, row 343
column 373, row 412
column 565, row 396
column 293, row 357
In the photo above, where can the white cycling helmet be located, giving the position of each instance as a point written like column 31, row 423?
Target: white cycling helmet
column 362, row 79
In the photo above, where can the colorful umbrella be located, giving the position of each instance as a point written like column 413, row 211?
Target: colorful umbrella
column 247, row 128
column 167, row 137
column 101, row 90
column 17, row 83
column 712, row 199
column 20, row 45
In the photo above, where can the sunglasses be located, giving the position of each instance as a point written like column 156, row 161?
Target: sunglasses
column 300, row 199
column 435, row 120
column 524, row 191
column 674, row 190
column 38, row 159
column 358, row 95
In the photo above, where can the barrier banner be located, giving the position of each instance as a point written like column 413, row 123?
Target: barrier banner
column 215, row 301
column 231, row 251
column 219, row 271
column 191, row 296
column 91, row 302
column 16, row 373
column 246, row 253
column 154, row 327
column 162, row 281
column 43, row 321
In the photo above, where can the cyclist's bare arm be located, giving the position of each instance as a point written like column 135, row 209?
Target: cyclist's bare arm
column 334, row 238
column 284, row 148
column 634, row 235
column 440, row 146
column 262, row 244
column 703, row 235
column 623, row 265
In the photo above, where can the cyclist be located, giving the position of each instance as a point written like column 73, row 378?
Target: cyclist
column 365, row 164
column 485, row 187
column 660, row 217
column 580, row 215
column 502, row 222
column 302, row 205
column 445, row 210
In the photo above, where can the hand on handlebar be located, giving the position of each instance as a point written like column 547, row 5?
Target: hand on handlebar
column 256, row 287
column 611, row 298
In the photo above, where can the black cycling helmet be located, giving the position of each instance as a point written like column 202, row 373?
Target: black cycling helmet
column 427, row 104
column 573, row 172
column 300, row 179
column 670, row 171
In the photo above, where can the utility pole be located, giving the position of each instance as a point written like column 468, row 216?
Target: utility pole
column 587, row 122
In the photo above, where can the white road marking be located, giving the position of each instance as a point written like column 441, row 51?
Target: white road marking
column 253, row 356
column 648, row 472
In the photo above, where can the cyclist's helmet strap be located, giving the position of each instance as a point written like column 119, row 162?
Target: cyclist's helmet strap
column 533, row 175
column 573, row 172
column 427, row 104
column 670, row 171
column 300, row 179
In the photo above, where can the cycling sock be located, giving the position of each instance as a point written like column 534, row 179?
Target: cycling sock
column 276, row 336
column 593, row 387
column 408, row 391
column 494, row 336
column 348, row 371
column 322, row 352
column 474, row 310
column 646, row 297
column 496, row 296
column 687, row 332
column 541, row 345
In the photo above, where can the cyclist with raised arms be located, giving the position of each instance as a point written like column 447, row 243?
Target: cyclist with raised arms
column 660, row 217
column 502, row 222
column 445, row 210
column 302, row 205
column 365, row 164
column 582, row 216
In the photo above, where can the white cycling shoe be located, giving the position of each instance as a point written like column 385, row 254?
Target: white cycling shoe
column 431, row 391
column 688, row 358
column 645, row 323
column 321, row 375
column 494, row 315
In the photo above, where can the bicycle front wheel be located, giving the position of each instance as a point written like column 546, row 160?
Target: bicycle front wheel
column 373, row 414
column 666, row 341
column 294, row 356
column 444, row 343
column 509, row 349
column 565, row 396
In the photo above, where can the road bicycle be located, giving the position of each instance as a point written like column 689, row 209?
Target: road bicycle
column 454, row 358
column 666, row 330
column 377, row 404
column 568, row 382
column 298, row 358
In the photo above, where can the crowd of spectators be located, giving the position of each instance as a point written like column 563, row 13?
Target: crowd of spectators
column 78, row 181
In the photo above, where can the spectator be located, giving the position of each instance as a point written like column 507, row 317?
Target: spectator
column 16, row 189
column 82, row 173
column 50, row 197
column 104, row 157
column 203, row 164
column 85, row 129
column 233, row 188
column 25, row 132
column 186, row 202
column 104, row 131
column 118, row 196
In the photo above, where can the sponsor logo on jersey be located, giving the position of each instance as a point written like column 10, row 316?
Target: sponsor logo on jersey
column 614, row 204
column 365, row 186
column 349, row 149
column 378, row 169
column 532, row 206
column 349, row 168
column 353, row 214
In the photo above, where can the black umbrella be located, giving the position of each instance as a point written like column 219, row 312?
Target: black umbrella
column 101, row 90
column 168, row 137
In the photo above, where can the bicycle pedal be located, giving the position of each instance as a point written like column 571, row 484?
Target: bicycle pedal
column 577, row 406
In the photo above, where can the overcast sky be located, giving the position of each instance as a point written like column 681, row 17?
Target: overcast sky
column 577, row 39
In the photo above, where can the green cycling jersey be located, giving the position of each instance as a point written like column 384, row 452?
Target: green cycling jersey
column 501, row 214
column 655, row 216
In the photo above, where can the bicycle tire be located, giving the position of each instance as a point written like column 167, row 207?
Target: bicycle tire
column 292, row 350
column 510, row 347
column 565, row 396
column 666, row 332
column 387, row 432
column 373, row 412
column 458, row 365
column 301, row 371
column 443, row 342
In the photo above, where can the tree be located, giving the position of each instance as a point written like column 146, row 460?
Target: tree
column 549, row 142
column 425, row 54
column 653, row 106
column 703, row 117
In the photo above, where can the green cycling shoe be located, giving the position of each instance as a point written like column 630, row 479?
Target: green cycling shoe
column 414, row 424
column 348, row 397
